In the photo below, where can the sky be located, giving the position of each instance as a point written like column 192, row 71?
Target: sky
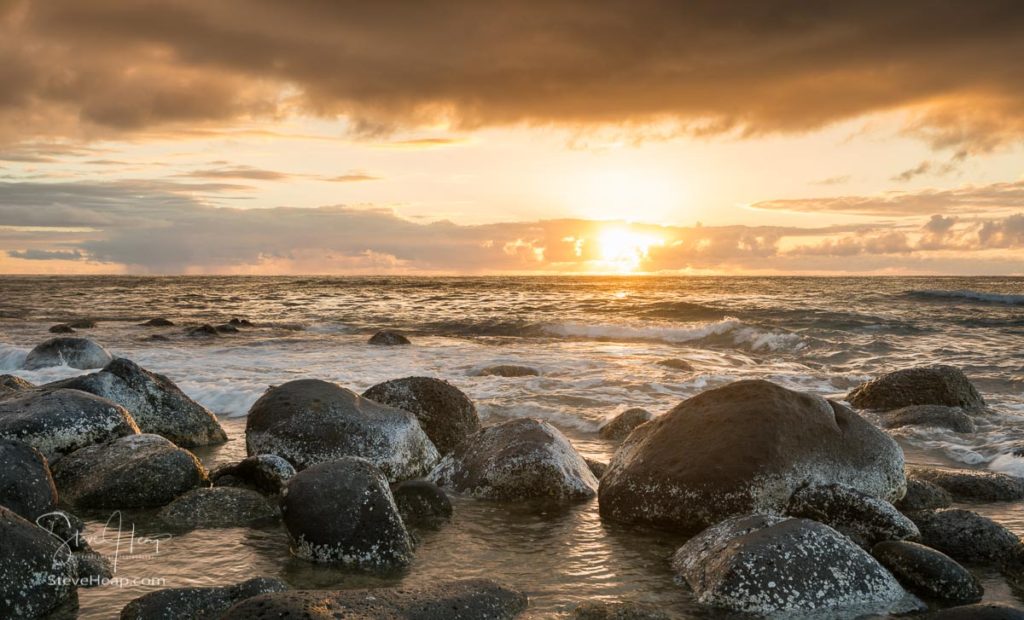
column 464, row 137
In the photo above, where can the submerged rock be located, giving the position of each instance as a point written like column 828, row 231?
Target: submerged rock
column 58, row 422
column 9, row 384
column 137, row 471
column 343, row 512
column 154, row 401
column 516, row 460
column 157, row 322
column 469, row 599
column 266, row 473
column 236, row 322
column 219, row 507
column 928, row 573
column 623, row 424
column 967, row 536
column 26, row 486
column 82, row 324
column 764, row 564
column 445, row 413
column 388, row 338
column 36, row 573
column 618, row 611
column 865, row 519
column 966, row 485
column 927, row 385
column 192, row 603
column 61, row 329
column 744, row 448
column 421, row 502
column 508, row 370
column 226, row 328
column 953, row 418
column 923, row 495
column 311, row 421
column 80, row 353
column 676, row 364
column 203, row 331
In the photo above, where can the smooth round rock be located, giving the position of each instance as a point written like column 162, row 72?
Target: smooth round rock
column 26, row 486
column 388, row 338
column 157, row 322
column 421, row 502
column 311, row 421
column 923, row 495
column 343, row 512
column 9, row 384
column 266, row 473
column 623, row 424
column 516, row 460
column 864, row 519
column 744, row 448
column 928, row 385
column 191, row 603
column 219, row 507
column 82, row 324
column 79, row 353
column 36, row 574
column 676, row 364
column 934, row 416
column 202, row 331
column 967, row 536
column 61, row 329
column 967, row 485
column 443, row 410
column 508, row 370
column 136, row 471
column 928, row 573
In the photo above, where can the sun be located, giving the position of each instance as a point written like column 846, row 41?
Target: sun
column 623, row 250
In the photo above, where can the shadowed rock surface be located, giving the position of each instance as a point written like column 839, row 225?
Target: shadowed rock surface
column 508, row 370
column 311, row 421
column 596, row 467
column 980, row 611
column 388, row 338
column 623, row 424
column 82, row 324
column 266, row 473
column 923, row 495
column 470, row 599
column 936, row 416
column 519, row 459
column 192, row 603
column 866, row 520
column 61, row 329
column 421, row 502
column 31, row 557
column 9, row 384
column 26, row 486
column 618, row 611
column 966, row 536
column 928, row 385
column 744, row 448
column 157, row 322
column 928, row 573
column 219, row 507
column 79, row 353
column 443, row 410
column 202, row 331
column 967, row 485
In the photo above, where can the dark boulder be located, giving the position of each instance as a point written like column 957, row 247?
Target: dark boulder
column 137, row 471
column 936, row 416
column 930, row 574
column 202, row 331
column 927, row 385
column 388, row 338
column 266, row 473
column 765, row 565
column 80, row 353
column 343, row 512
column 596, row 467
column 676, row 364
column 92, row 569
column 157, row 322
column 470, row 599
column 421, row 502
column 623, row 424
column 618, row 611
column 864, row 519
column 58, row 422
column 744, row 448
column 445, row 413
column 979, row 611
column 967, row 536
column 157, row 405
column 82, row 324
column 311, row 421
column 36, row 572
column 923, row 495
column 508, row 370
column 26, row 486
column 226, row 328
column 236, row 322
column 516, row 460
column 966, row 485
column 9, row 384
column 195, row 603
column 219, row 507
column 61, row 328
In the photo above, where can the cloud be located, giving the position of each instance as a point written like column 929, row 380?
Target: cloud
column 237, row 172
column 837, row 180
column 352, row 177
column 104, row 66
column 46, row 254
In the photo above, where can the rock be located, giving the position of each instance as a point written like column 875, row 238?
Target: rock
column 966, row 485
column 157, row 322
column 156, row 404
column 241, row 322
column 864, row 519
column 92, row 568
column 388, row 338
column 469, row 599
column 61, row 329
column 192, row 603
column 266, row 473
column 68, row 529
column 980, row 611
column 155, row 338
column 58, row 422
column 953, row 418
column 80, row 353
column 928, row 573
column 219, row 507
column 445, row 413
column 311, row 421
column 26, row 486
column 137, row 471
column 923, row 495
column 744, row 448
column 9, row 384
column 36, row 572
column 508, row 370
column 203, row 331
column 676, row 364
column 343, row 512
column 618, row 611
column 927, row 385
column 966, row 536
column 623, row 424
column 596, row 467
column 516, row 460
column 82, row 324
column 763, row 564
column 421, row 502
column 226, row 329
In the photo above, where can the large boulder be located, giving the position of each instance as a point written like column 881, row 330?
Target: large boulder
column 26, row 486
column 744, row 448
column 36, row 572
column 219, row 507
column 343, row 512
column 192, row 603
column 136, row 471
column 515, row 460
column 311, row 421
column 623, row 424
column 79, row 353
column 469, row 599
column 445, row 413
column 9, row 384
column 967, row 485
column 266, row 473
column 926, row 385
column 967, row 536
column 928, row 573
column 864, row 519
column 762, row 564
column 57, row 422
column 923, row 495
column 156, row 404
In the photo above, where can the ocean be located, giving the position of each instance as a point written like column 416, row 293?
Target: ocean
column 596, row 342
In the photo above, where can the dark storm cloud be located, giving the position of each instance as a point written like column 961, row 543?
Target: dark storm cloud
column 47, row 254
column 753, row 66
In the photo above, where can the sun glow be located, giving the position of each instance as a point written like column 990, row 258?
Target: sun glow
column 624, row 250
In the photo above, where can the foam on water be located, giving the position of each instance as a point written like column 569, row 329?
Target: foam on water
column 995, row 298
column 741, row 334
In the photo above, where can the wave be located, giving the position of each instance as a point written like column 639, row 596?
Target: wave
column 11, row 358
column 993, row 298
column 733, row 330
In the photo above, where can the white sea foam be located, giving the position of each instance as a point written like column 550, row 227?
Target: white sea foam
column 995, row 298
column 1008, row 464
column 11, row 358
column 740, row 333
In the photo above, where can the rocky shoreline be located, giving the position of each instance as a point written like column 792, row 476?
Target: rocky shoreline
column 790, row 503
